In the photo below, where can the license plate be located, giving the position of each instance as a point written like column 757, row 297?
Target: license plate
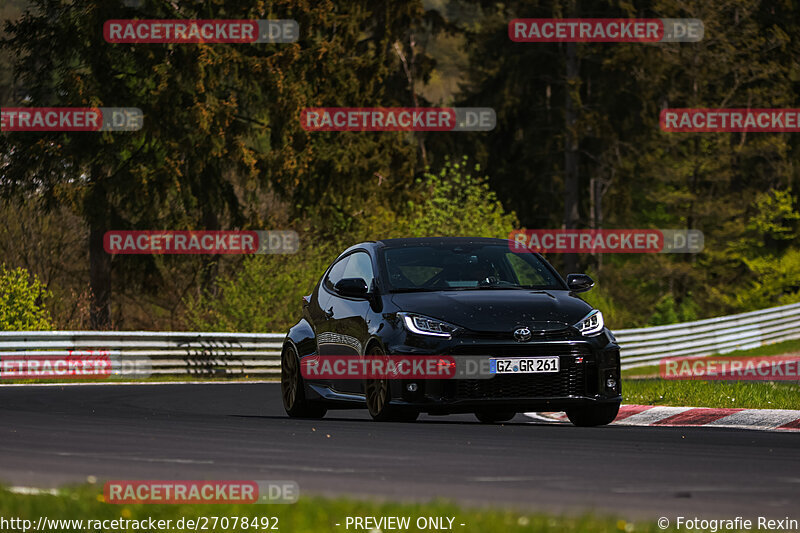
column 524, row 365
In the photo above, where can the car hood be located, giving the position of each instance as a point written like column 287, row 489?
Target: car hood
column 497, row 310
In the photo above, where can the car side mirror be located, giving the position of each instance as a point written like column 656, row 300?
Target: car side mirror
column 352, row 287
column 579, row 282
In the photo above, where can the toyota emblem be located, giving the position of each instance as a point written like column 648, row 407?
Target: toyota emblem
column 522, row 334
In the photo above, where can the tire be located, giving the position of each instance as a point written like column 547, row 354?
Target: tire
column 293, row 390
column 596, row 415
column 377, row 395
column 493, row 417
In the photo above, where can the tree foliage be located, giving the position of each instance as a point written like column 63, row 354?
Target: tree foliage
column 264, row 295
column 222, row 148
column 22, row 298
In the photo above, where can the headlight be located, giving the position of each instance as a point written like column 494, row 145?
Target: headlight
column 591, row 324
column 423, row 325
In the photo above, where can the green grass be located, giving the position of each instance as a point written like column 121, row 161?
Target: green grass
column 643, row 386
column 309, row 515
column 779, row 348
column 694, row 393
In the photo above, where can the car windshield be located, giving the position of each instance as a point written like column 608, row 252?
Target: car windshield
column 465, row 267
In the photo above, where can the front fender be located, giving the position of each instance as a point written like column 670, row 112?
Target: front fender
column 303, row 338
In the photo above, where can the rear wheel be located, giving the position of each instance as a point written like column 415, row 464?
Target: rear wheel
column 293, row 391
column 493, row 417
column 595, row 415
column 378, row 395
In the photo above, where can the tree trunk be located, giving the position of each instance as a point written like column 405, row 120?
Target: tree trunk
column 99, row 260
column 571, row 183
column 210, row 263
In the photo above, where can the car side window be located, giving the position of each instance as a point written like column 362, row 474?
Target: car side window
column 336, row 273
column 360, row 266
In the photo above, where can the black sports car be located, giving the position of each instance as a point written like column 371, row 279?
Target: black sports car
column 456, row 297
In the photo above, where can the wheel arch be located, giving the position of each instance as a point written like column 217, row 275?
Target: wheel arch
column 302, row 338
column 374, row 341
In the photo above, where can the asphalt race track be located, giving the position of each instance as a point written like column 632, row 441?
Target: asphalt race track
column 59, row 435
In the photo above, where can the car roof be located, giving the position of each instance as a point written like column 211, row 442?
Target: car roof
column 422, row 241
column 393, row 243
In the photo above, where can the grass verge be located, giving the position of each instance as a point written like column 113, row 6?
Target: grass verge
column 692, row 393
column 643, row 386
column 309, row 515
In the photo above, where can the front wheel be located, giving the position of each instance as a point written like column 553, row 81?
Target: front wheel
column 293, row 390
column 377, row 393
column 595, row 415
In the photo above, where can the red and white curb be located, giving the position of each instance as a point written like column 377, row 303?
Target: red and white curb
column 652, row 415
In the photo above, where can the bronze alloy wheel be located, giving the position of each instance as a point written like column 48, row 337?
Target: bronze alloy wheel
column 378, row 395
column 290, row 372
column 377, row 390
column 292, row 389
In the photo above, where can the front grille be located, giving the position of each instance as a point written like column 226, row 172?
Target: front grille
column 571, row 380
column 567, row 382
column 524, row 349
column 508, row 336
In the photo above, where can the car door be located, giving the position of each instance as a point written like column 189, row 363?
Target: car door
column 346, row 330
column 320, row 311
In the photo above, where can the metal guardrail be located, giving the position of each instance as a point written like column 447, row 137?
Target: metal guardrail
column 169, row 353
column 258, row 354
column 645, row 346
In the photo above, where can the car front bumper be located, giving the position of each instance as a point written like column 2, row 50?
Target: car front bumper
column 589, row 375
